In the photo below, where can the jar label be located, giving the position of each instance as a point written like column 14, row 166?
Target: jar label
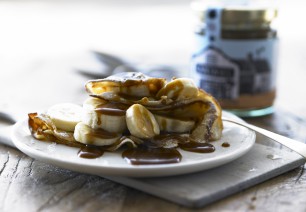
column 227, row 68
column 218, row 74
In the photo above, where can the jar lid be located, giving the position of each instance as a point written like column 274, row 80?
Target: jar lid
column 236, row 17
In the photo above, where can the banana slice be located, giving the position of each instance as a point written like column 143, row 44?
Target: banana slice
column 172, row 125
column 177, row 89
column 65, row 116
column 101, row 114
column 98, row 137
column 141, row 122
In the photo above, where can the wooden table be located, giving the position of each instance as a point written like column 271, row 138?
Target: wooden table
column 34, row 81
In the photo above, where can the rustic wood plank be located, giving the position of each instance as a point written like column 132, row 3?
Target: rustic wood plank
column 137, row 201
column 35, row 186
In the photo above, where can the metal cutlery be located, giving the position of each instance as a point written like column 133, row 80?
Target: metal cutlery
column 292, row 144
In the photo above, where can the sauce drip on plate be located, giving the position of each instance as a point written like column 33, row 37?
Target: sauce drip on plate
column 197, row 147
column 144, row 155
column 90, row 152
column 151, row 151
column 225, row 144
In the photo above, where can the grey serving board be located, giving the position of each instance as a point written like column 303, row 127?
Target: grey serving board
column 198, row 189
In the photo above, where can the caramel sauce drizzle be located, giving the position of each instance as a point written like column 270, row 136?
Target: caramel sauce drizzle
column 225, row 144
column 112, row 109
column 144, row 155
column 151, row 151
column 197, row 147
column 90, row 152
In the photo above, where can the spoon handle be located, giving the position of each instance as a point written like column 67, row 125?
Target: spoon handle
column 294, row 145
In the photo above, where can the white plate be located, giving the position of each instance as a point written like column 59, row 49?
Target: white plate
column 111, row 163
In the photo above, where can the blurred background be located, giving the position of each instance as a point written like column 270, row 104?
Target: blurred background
column 46, row 39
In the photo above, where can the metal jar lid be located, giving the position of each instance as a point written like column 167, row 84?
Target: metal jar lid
column 238, row 17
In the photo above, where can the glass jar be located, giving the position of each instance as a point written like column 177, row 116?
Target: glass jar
column 235, row 57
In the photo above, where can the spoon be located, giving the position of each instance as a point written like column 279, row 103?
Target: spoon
column 294, row 145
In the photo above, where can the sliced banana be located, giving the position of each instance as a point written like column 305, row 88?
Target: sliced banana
column 93, row 116
column 172, row 125
column 177, row 89
column 141, row 122
column 98, row 137
column 65, row 116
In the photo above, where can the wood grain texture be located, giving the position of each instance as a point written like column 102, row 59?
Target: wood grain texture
column 34, row 186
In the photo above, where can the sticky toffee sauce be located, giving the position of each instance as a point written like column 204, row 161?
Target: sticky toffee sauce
column 151, row 151
column 225, row 144
column 90, row 152
column 148, row 156
column 197, row 147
